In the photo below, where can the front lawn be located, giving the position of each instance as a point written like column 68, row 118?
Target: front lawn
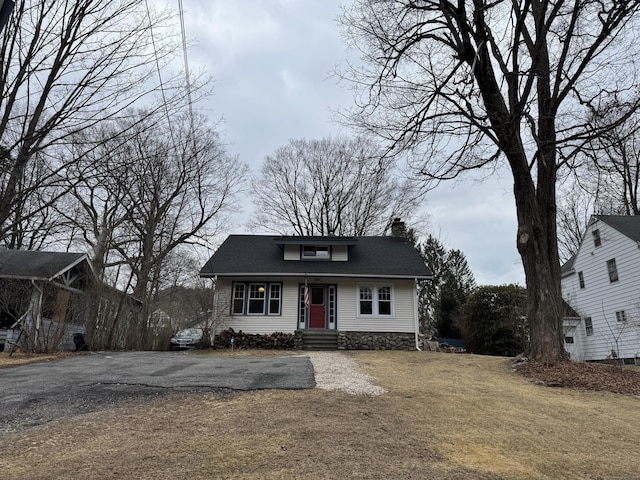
column 445, row 416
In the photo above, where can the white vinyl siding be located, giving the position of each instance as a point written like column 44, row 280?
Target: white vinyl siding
column 601, row 298
column 285, row 322
column 402, row 309
column 345, row 305
column 573, row 329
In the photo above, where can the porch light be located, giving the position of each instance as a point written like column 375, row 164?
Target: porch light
column 261, row 289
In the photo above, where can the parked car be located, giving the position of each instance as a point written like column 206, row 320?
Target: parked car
column 186, row 338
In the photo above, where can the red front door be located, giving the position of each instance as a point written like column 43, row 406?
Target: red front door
column 316, row 308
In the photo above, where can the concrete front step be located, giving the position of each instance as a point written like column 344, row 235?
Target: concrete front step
column 319, row 339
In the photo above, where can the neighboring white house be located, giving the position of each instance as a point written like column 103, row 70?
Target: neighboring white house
column 601, row 283
column 356, row 286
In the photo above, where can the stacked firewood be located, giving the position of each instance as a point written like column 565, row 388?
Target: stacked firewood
column 274, row 341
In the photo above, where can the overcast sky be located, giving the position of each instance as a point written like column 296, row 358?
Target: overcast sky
column 271, row 61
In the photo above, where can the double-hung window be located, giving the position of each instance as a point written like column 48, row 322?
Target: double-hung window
column 597, row 241
column 237, row 306
column 588, row 326
column 256, row 298
column 275, row 298
column 384, row 300
column 613, row 270
column 365, row 305
column 375, row 300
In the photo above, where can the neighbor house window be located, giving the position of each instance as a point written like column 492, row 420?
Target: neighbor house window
column 315, row 252
column 581, row 279
column 596, row 238
column 256, row 299
column 375, row 300
column 613, row 270
column 568, row 339
column 621, row 316
column 588, row 326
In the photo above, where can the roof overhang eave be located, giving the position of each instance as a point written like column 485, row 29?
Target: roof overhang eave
column 71, row 265
column 315, row 274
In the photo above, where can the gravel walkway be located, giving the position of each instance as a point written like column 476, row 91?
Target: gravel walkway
column 337, row 371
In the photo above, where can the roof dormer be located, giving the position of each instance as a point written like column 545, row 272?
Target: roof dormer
column 316, row 249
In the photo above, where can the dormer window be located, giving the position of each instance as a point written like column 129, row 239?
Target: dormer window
column 316, row 252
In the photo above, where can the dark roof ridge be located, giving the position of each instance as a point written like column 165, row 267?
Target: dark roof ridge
column 628, row 225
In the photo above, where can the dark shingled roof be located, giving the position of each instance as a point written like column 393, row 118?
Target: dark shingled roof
column 628, row 225
column 567, row 268
column 33, row 265
column 368, row 256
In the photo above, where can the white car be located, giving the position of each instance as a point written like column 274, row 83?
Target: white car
column 186, row 338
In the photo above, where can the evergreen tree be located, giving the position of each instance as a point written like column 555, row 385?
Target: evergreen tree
column 440, row 300
column 493, row 320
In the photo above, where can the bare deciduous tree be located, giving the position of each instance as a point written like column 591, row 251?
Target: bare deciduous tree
column 66, row 65
column 332, row 186
column 148, row 195
column 462, row 85
column 575, row 207
column 606, row 181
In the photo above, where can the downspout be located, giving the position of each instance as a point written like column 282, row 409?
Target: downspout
column 415, row 313
column 214, row 296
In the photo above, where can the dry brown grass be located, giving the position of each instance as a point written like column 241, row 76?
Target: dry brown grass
column 445, row 416
column 20, row 358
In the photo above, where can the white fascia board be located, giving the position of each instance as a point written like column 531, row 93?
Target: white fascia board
column 319, row 275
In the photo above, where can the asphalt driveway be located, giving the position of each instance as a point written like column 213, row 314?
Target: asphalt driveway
column 38, row 393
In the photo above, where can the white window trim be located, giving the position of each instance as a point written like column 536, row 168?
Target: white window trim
column 279, row 298
column 621, row 316
column 325, row 252
column 265, row 294
column 588, row 326
column 375, row 287
column 233, row 298
column 266, row 300
column 612, row 270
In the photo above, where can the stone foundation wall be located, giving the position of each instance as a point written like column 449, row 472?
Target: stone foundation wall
column 376, row 341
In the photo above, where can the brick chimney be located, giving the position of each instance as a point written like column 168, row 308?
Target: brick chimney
column 398, row 228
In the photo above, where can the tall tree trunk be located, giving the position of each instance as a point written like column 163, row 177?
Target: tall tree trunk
column 537, row 245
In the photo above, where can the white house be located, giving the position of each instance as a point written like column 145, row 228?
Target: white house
column 361, row 288
column 601, row 283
